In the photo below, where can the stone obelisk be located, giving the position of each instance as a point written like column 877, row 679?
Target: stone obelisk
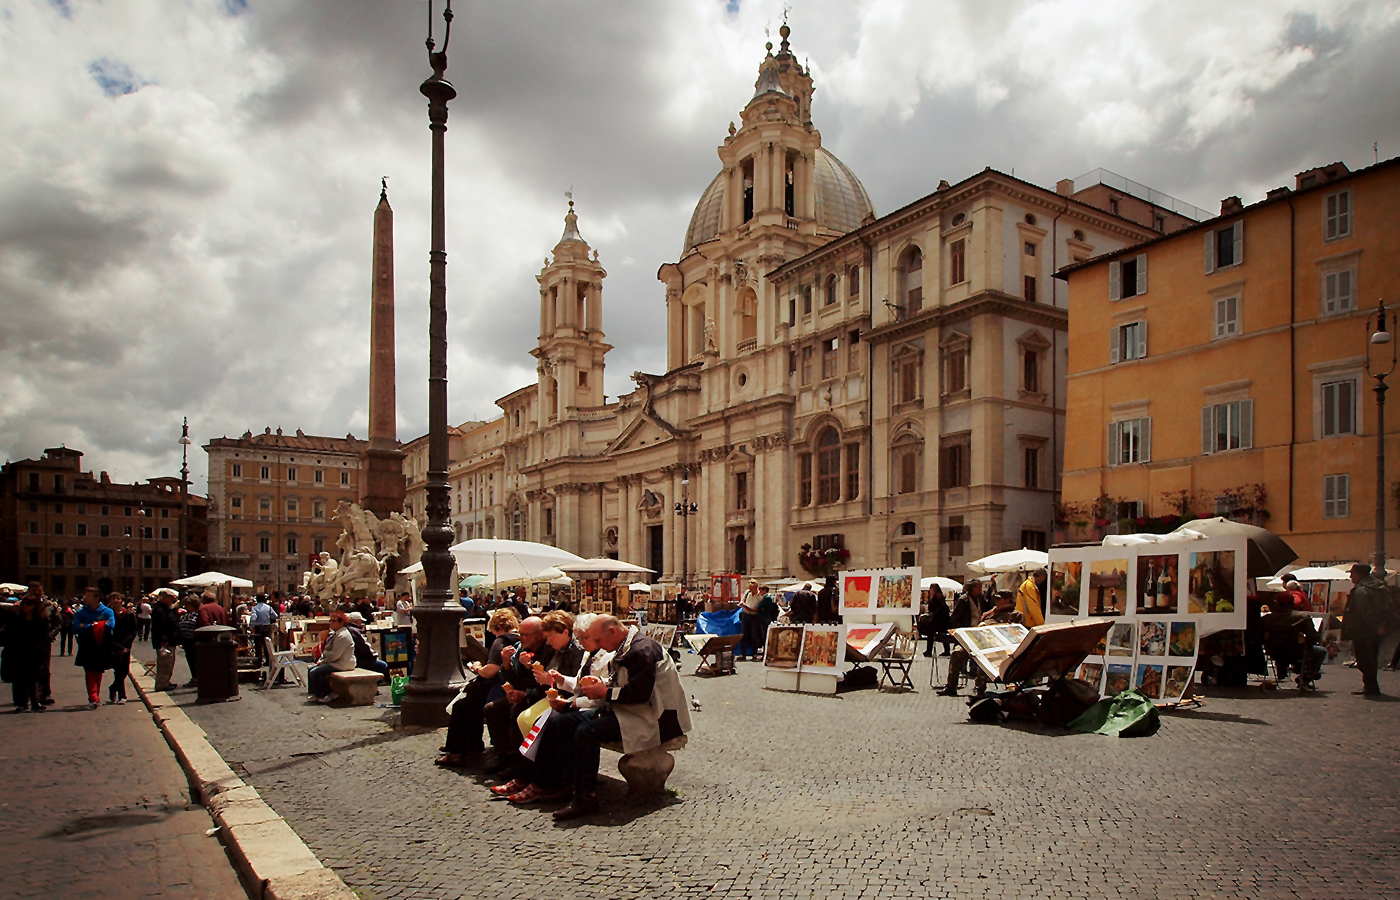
column 381, row 462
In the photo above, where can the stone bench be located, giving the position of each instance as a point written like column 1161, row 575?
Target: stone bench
column 646, row 772
column 358, row 687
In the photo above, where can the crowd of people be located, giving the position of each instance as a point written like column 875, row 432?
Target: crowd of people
column 553, row 690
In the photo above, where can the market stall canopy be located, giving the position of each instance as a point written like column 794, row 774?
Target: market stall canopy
column 467, row 583
column 1267, row 551
column 781, row 582
column 1010, row 561
column 1134, row 540
column 504, row 560
column 947, row 584
column 638, row 588
column 209, row 579
column 1340, row 578
column 602, row 566
column 11, row 586
column 161, row 592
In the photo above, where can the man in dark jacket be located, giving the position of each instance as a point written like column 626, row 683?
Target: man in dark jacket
column 803, row 609
column 828, row 602
column 521, row 691
column 1003, row 612
column 968, row 607
column 1367, row 619
column 211, row 612
column 165, row 637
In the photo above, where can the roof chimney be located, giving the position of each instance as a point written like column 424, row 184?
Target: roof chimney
column 1231, row 205
column 1065, row 187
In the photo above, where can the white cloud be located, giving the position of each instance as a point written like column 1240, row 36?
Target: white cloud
column 186, row 186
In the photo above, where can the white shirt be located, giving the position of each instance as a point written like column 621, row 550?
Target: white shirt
column 339, row 651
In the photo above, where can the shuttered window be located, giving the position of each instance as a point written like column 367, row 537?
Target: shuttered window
column 1227, row 426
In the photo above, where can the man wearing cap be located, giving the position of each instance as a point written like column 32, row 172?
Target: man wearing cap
column 1003, row 612
column 1367, row 618
column 165, row 638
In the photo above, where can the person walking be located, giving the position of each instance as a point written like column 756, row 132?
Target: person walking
column 123, row 637
column 165, row 638
column 24, row 631
column 143, row 619
column 189, row 621
column 1367, row 619
column 93, row 625
column 748, row 622
column 261, row 617
column 65, row 629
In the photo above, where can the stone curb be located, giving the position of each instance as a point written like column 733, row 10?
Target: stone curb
column 272, row 859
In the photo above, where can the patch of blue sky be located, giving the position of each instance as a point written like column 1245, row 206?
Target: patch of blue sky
column 114, row 77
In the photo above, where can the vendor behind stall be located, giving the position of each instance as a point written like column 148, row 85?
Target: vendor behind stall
column 1003, row 612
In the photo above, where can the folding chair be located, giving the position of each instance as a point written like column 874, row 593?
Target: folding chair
column 279, row 661
column 896, row 661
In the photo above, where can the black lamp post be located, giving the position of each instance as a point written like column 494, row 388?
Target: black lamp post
column 1379, row 326
column 437, row 669
column 685, row 509
column 183, row 565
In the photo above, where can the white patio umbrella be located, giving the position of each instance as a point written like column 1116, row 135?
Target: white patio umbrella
column 947, row 584
column 11, row 586
column 1339, row 577
column 506, row 560
column 781, row 582
column 1010, row 561
column 637, row 587
column 603, row 566
column 209, row 579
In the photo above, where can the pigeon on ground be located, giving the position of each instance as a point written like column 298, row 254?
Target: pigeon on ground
column 694, row 704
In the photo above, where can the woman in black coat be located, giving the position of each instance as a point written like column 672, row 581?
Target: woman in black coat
column 123, row 636
column 26, row 636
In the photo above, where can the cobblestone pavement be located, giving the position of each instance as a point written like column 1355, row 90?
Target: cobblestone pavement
column 94, row 804
column 781, row 795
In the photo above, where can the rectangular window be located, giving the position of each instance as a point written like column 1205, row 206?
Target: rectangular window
column 852, row 471
column 955, row 370
column 1336, row 496
column 1227, row 426
column 128, row 560
column 829, row 348
column 33, row 527
column 1339, row 407
column 1336, row 292
column 34, row 486
column 106, row 510
column 1128, row 342
column 104, row 560
column 104, row 530
column 318, row 544
column 957, row 534
column 148, row 561
column 955, row 462
column 265, row 508
column 741, row 490
column 1227, row 317
column 804, row 479
column 909, row 381
column 165, row 513
column 853, row 282
column 58, row 507
column 82, row 529
column 1224, row 247
column 1030, row 371
column 807, row 365
column 957, row 262
column 319, row 476
column 237, row 470
column 165, row 534
column 58, row 528
column 1030, row 289
column 1030, row 249
column 58, row 559
column 58, row 484
column 147, row 532
column 235, row 543
column 265, row 473
column 126, row 511
column 1033, row 540
column 292, row 473
column 1127, row 277
column 853, row 351
column 292, row 509
column 907, row 471
column 1129, row 441
column 126, row 531
column 829, row 474
column 34, row 556
column 1337, row 213
column 264, row 545
column 80, row 559
column 165, row 560
column 291, row 546
column 1031, row 460
column 806, row 300
column 344, row 477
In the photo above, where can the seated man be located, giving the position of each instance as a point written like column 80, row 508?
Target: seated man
column 521, row 690
column 1289, row 636
column 365, row 657
column 645, row 707
column 337, row 655
column 467, row 710
column 1003, row 612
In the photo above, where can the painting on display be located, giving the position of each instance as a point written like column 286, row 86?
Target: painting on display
column 1092, row 673
column 1120, row 639
column 1065, row 587
column 1178, row 680
column 1149, row 681
column 822, row 647
column 395, row 648
column 1318, row 596
column 1152, row 638
column 872, row 592
column 1183, row 640
column 990, row 645
column 856, row 592
column 864, row 641
column 897, row 592
column 1119, row 679
column 1108, row 587
column 1212, row 582
column 784, row 646
column 725, row 588
column 1156, row 584
column 665, row 635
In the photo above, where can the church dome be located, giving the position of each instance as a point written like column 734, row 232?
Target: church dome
column 841, row 202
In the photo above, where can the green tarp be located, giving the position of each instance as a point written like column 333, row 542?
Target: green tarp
column 1130, row 714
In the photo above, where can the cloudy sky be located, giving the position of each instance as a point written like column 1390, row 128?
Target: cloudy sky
column 187, row 186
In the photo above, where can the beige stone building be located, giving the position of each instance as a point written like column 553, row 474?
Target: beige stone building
column 891, row 385
column 271, row 498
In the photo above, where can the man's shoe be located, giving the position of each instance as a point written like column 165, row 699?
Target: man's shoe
column 582, row 805
column 947, row 692
column 515, row 785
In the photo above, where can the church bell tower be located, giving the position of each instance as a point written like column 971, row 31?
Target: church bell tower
column 571, row 346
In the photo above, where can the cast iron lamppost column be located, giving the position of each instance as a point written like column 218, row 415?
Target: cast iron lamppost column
column 437, row 669
column 1378, row 324
column 685, row 509
column 183, row 566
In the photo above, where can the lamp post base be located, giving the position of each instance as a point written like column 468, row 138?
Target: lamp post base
column 437, row 668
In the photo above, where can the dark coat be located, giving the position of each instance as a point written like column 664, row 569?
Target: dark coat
column 1369, row 612
column 803, row 609
column 165, row 626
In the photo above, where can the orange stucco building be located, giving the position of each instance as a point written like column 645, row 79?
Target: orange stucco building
column 1221, row 369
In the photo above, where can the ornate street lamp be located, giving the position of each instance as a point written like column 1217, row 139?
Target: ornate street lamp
column 437, row 668
column 184, row 495
column 685, row 509
column 1379, row 326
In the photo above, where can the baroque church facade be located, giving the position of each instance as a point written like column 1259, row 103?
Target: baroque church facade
column 893, row 385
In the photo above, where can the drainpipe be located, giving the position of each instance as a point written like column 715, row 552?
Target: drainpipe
column 1055, row 477
column 1292, row 353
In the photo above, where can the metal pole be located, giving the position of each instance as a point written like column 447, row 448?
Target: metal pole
column 437, row 671
column 685, row 531
column 183, row 566
column 1379, row 563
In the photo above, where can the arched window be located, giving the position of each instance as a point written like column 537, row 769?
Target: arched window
column 912, row 281
column 831, row 297
column 828, row 466
column 517, row 522
column 907, row 452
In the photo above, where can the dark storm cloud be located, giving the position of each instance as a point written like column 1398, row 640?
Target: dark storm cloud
column 185, row 218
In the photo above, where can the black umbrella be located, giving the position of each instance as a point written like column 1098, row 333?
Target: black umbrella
column 1267, row 551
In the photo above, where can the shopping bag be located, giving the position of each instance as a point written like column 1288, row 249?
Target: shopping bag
column 528, row 717
column 531, row 745
column 397, row 685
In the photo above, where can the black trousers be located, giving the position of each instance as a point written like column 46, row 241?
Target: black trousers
column 555, row 743
column 464, row 727
column 596, row 729
column 121, row 669
column 1367, row 652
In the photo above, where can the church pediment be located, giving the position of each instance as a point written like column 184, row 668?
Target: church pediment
column 641, row 432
